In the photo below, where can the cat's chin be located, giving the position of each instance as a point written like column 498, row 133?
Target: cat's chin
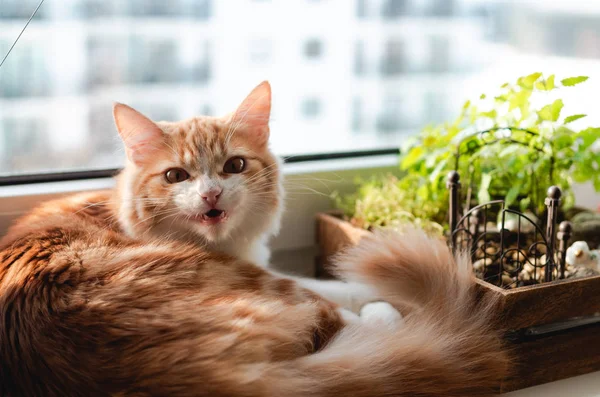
column 212, row 233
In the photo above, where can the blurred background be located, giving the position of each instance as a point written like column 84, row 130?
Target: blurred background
column 347, row 75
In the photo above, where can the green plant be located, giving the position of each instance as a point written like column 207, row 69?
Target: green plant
column 391, row 202
column 506, row 146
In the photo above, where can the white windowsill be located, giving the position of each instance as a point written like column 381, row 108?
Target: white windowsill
column 54, row 188
column 587, row 385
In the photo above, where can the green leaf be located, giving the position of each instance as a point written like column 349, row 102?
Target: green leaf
column 423, row 192
column 482, row 96
column 452, row 131
column 574, row 117
column 584, row 172
column 412, row 157
column 466, row 105
column 563, row 141
column 436, row 171
column 528, row 81
column 546, row 85
column 597, row 183
column 492, row 114
column 513, row 193
column 551, row 112
column 589, row 136
column 565, row 130
column 483, row 196
column 429, row 141
column 550, row 83
column 571, row 81
column 519, row 100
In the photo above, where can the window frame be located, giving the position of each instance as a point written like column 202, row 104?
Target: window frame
column 61, row 176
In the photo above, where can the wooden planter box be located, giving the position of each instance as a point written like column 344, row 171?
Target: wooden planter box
column 549, row 343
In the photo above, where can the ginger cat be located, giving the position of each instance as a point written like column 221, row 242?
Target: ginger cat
column 160, row 287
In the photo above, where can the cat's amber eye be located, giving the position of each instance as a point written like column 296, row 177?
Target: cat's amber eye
column 176, row 175
column 234, row 165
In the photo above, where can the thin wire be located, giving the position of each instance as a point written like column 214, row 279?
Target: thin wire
column 19, row 36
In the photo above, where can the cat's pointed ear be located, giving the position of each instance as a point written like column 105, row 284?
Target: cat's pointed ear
column 142, row 138
column 253, row 114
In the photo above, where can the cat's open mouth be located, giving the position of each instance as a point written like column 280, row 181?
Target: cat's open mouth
column 212, row 217
column 214, row 213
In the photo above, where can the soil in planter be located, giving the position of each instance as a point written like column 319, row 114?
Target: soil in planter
column 523, row 262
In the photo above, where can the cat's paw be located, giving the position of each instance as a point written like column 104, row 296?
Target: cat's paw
column 381, row 314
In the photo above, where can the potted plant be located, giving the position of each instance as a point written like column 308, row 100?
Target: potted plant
column 506, row 147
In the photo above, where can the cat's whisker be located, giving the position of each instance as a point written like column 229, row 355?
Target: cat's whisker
column 256, row 178
column 168, row 211
column 115, row 201
column 322, row 181
column 313, row 179
column 307, row 191
column 265, row 172
column 250, row 181
column 173, row 216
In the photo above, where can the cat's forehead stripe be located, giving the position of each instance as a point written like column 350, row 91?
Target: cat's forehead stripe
column 199, row 142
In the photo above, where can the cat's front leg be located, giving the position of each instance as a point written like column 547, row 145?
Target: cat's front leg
column 350, row 295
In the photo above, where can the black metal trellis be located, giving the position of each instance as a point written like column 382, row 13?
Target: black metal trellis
column 509, row 258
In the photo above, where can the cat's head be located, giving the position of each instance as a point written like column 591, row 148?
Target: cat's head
column 212, row 178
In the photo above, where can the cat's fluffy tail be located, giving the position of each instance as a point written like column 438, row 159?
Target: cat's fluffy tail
column 447, row 346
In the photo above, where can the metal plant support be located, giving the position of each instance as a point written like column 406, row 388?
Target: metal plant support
column 503, row 255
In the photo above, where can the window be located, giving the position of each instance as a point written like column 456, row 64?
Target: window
column 374, row 69
column 311, row 108
column 360, row 64
column 361, row 8
column 394, row 8
column 393, row 61
column 313, row 48
column 260, row 51
column 357, row 115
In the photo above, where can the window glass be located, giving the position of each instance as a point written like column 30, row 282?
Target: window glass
column 346, row 74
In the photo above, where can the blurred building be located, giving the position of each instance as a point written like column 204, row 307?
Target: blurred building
column 347, row 74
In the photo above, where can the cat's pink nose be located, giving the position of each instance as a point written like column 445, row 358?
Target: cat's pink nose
column 212, row 196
